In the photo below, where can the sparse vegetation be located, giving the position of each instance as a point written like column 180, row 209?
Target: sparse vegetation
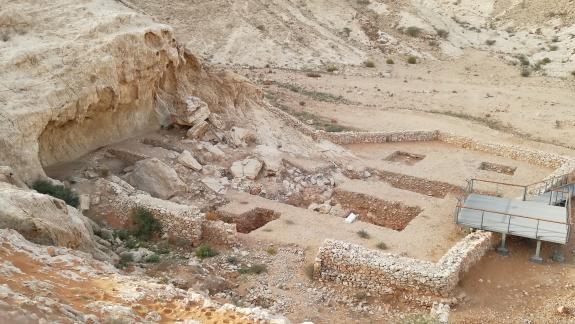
column 346, row 31
column 313, row 75
column 308, row 269
column 254, row 269
column 420, row 319
column 146, row 227
column 154, row 258
column 124, row 261
column 363, row 234
column 57, row 191
column 413, row 31
column 272, row 250
column 232, row 259
column 363, row 2
column 442, row 33
column 523, row 60
column 412, row 60
column 205, row 251
column 573, row 73
column 369, row 64
column 545, row 61
column 289, row 222
column 331, row 68
column 381, row 246
column 316, row 95
column 389, row 61
column 525, row 72
column 490, row 42
column 553, row 48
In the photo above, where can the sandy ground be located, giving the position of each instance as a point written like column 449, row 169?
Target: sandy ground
column 447, row 163
column 309, row 229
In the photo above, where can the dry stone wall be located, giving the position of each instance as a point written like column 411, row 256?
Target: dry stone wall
column 382, row 273
column 561, row 164
column 116, row 201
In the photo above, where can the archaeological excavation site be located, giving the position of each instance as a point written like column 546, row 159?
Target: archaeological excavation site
column 287, row 161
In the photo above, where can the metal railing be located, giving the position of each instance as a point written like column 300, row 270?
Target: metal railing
column 508, row 224
column 552, row 186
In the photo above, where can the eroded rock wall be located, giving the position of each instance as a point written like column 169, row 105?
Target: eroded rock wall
column 99, row 74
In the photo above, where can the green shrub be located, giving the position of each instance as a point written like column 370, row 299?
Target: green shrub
column 232, row 259
column 254, row 269
column 57, row 191
column 369, row 64
column 154, row 258
column 125, row 260
column 131, row 243
column 412, row 60
column 389, row 61
column 363, row 234
column 146, row 226
column 122, row 234
column 413, row 31
column 545, row 61
column 205, row 251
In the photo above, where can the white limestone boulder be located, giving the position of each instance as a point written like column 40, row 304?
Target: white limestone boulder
column 187, row 159
column 156, row 178
column 248, row 168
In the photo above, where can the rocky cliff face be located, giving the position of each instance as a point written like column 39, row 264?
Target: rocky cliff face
column 77, row 76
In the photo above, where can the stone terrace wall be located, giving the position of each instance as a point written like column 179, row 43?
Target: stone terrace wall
column 546, row 159
column 380, row 272
column 116, row 201
column 562, row 164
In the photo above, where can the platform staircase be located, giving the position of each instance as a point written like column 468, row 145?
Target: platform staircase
column 539, row 211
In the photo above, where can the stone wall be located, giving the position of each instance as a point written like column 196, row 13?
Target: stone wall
column 115, row 201
column 382, row 273
column 561, row 164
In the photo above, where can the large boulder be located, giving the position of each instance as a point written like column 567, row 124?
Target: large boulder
column 156, row 178
column 248, row 168
column 47, row 220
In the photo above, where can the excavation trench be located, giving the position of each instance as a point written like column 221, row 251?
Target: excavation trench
column 390, row 214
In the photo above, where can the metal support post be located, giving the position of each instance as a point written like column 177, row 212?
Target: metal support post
column 502, row 249
column 537, row 257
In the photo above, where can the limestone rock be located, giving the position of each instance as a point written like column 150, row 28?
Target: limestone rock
column 248, row 168
column 241, row 137
column 216, row 121
column 157, row 178
column 193, row 112
column 187, row 159
column 271, row 157
column 198, row 130
column 7, row 175
column 441, row 312
column 46, row 220
column 218, row 185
